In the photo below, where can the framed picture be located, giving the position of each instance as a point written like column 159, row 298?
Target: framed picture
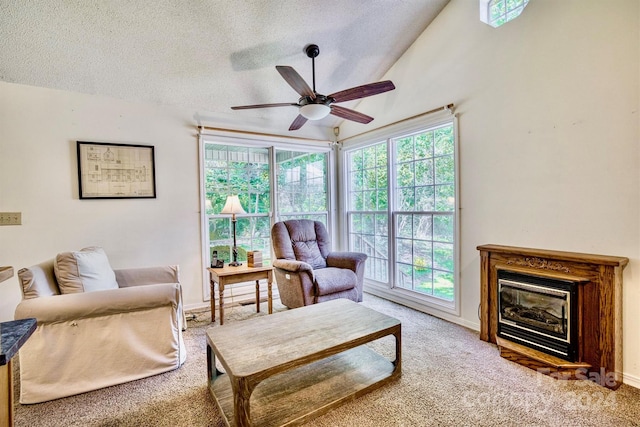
column 116, row 171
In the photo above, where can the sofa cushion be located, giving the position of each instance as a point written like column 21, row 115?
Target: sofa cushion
column 331, row 280
column 38, row 281
column 85, row 270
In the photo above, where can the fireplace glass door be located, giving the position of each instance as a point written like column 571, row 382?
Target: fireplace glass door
column 537, row 312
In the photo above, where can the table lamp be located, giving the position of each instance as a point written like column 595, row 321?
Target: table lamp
column 233, row 207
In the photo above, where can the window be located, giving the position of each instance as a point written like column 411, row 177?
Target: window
column 368, row 208
column 302, row 185
column 272, row 182
column 401, row 212
column 425, row 209
column 499, row 12
column 243, row 171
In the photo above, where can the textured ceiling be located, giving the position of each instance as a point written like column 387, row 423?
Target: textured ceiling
column 206, row 55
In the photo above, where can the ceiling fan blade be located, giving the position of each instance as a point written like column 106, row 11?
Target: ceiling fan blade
column 295, row 81
column 281, row 104
column 298, row 122
column 349, row 114
column 363, row 91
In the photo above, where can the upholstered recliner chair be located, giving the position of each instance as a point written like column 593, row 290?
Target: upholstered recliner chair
column 307, row 272
column 97, row 327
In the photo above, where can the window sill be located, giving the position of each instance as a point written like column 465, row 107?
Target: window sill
column 442, row 310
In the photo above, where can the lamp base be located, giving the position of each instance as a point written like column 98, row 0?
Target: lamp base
column 235, row 264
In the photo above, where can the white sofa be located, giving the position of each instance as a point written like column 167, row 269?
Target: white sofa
column 90, row 339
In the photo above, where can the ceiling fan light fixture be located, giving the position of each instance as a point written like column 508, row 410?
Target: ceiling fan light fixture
column 315, row 111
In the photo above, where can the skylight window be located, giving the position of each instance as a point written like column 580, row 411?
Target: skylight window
column 499, row 12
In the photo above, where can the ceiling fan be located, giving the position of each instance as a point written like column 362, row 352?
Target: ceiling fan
column 314, row 106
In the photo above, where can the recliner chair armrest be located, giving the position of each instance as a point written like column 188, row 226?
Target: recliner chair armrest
column 147, row 276
column 69, row 307
column 292, row 265
column 350, row 260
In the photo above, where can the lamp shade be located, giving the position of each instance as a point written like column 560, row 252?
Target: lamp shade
column 232, row 206
column 315, row 111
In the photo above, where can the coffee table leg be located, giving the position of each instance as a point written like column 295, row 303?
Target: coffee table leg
column 398, row 362
column 212, row 371
column 221, row 301
column 241, row 397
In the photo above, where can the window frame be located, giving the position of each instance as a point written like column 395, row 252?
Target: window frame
column 229, row 149
column 504, row 18
column 272, row 143
column 326, row 214
column 388, row 290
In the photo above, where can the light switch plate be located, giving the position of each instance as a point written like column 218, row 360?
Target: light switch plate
column 10, row 218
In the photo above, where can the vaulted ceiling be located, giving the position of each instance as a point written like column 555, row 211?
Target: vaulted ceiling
column 206, row 55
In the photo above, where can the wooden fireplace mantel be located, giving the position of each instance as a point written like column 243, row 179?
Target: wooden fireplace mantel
column 599, row 308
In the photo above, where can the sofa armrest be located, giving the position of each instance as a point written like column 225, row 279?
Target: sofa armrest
column 350, row 260
column 61, row 308
column 292, row 265
column 147, row 276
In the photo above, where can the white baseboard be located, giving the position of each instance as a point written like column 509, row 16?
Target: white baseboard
column 420, row 307
column 234, row 298
column 197, row 306
column 631, row 380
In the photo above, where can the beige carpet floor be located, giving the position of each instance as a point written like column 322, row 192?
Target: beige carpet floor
column 449, row 378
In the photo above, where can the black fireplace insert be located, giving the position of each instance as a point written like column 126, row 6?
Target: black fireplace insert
column 538, row 312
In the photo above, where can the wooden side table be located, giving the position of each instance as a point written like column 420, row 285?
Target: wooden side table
column 229, row 275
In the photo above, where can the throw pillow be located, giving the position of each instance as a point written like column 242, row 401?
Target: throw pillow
column 38, row 281
column 85, row 270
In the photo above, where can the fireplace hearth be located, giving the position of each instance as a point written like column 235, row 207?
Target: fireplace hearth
column 559, row 313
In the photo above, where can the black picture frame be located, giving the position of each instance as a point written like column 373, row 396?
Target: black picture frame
column 116, row 171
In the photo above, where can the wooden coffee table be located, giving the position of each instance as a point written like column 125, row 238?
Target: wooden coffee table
column 292, row 366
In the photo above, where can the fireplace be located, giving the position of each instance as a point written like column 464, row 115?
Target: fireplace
column 539, row 313
column 559, row 313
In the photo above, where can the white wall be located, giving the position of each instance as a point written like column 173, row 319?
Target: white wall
column 548, row 123
column 38, row 177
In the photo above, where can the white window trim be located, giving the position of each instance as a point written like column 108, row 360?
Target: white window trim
column 440, row 308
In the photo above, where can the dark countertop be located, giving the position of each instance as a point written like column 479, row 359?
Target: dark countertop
column 14, row 334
